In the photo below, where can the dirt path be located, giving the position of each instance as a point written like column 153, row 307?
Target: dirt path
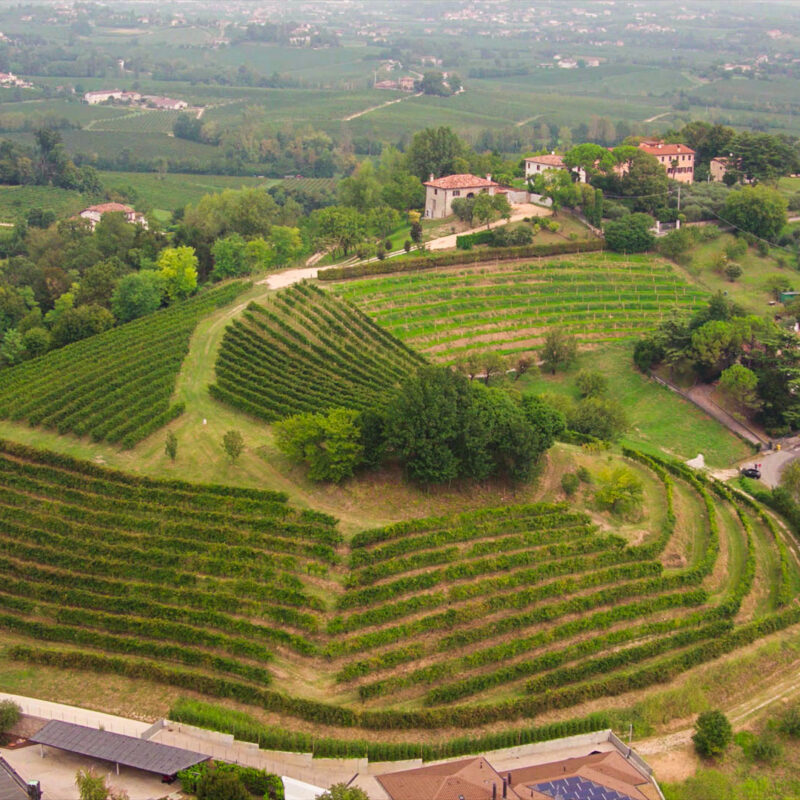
column 657, row 116
column 700, row 395
column 381, row 105
column 526, row 121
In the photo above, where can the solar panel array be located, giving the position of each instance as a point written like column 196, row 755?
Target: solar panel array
column 577, row 788
column 114, row 747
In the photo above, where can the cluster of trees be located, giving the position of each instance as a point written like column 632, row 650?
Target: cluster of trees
column 439, row 426
column 253, row 140
column 435, row 83
column 240, row 230
column 67, row 282
column 754, row 360
column 752, row 156
column 46, row 164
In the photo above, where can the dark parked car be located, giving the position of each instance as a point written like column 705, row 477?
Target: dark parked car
column 751, row 472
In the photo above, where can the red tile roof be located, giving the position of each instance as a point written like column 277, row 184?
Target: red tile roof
column 105, row 208
column 609, row 769
column 661, row 149
column 461, row 182
column 550, row 159
column 473, row 779
column 468, row 779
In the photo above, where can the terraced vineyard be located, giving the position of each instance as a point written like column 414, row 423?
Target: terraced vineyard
column 482, row 618
column 115, row 386
column 307, row 350
column 446, row 313
column 212, row 578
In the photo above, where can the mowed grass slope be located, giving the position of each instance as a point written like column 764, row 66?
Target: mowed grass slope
column 447, row 313
column 306, row 350
column 115, row 386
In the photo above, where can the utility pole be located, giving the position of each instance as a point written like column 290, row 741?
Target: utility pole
column 679, row 198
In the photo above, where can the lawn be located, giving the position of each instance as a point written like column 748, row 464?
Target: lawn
column 750, row 290
column 659, row 419
column 175, row 190
column 16, row 201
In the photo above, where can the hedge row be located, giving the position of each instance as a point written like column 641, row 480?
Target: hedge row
column 247, row 729
column 460, row 257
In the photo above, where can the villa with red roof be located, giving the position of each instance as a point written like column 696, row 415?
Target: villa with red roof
column 440, row 192
column 677, row 159
column 95, row 213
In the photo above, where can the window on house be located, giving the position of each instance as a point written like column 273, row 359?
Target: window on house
column 456, row 193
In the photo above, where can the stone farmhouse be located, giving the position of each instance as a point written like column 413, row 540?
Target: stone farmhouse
column 135, row 98
column 535, row 165
column 440, row 192
column 677, row 159
column 95, row 213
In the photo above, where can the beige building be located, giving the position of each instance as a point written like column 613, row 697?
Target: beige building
column 677, row 159
column 535, row 165
column 95, row 213
column 440, row 192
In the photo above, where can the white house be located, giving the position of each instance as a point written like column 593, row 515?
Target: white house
column 95, row 213
column 164, row 103
column 440, row 192
column 535, row 165
column 93, row 98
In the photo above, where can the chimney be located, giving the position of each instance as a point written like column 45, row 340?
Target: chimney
column 488, row 176
column 431, row 177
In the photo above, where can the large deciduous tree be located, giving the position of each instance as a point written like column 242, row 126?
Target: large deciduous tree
column 558, row 351
column 178, row 268
column 437, row 152
column 631, row 234
column 758, row 210
column 329, row 444
column 339, row 227
column 137, row 294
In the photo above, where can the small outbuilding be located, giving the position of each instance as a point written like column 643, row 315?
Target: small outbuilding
column 120, row 750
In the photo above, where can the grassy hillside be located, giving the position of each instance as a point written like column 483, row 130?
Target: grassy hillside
column 660, row 421
column 447, row 313
column 307, row 351
column 115, row 386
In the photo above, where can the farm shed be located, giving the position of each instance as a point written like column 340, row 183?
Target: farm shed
column 126, row 751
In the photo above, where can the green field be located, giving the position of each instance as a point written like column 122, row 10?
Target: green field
column 307, row 351
column 175, row 190
column 16, row 201
column 447, row 313
column 659, row 420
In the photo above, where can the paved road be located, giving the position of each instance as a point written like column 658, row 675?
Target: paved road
column 773, row 462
